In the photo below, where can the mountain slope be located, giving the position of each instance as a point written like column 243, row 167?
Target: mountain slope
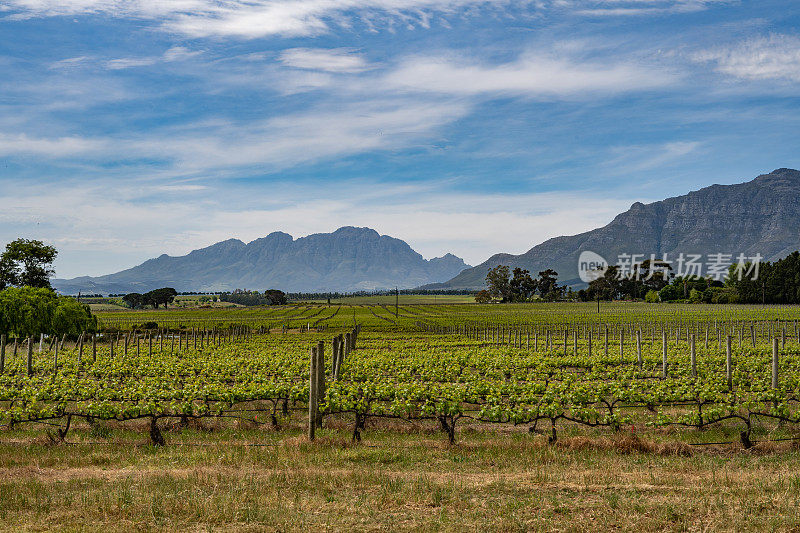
column 348, row 259
column 760, row 216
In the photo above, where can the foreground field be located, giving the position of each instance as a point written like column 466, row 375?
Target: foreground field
column 215, row 480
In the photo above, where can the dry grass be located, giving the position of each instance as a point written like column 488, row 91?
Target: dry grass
column 402, row 478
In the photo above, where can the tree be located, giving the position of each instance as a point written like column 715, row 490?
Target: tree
column 134, row 300
column 30, row 311
column 275, row 297
column 498, row 283
column 483, row 297
column 606, row 287
column 165, row 295
column 27, row 263
column 522, row 286
column 548, row 286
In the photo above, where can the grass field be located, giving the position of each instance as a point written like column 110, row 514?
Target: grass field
column 404, row 299
column 400, row 480
column 629, row 453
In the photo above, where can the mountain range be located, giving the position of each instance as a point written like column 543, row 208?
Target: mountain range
column 761, row 216
column 349, row 259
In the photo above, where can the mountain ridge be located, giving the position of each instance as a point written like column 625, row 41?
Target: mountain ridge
column 347, row 259
column 757, row 216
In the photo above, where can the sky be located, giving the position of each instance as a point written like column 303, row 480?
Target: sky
column 132, row 128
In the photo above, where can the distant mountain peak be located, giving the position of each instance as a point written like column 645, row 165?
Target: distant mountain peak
column 348, row 259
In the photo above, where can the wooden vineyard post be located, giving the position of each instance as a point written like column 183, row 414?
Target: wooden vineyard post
column 606, row 343
column 639, row 347
column 622, row 344
column 312, row 394
column 55, row 355
column 728, row 363
column 589, row 342
column 2, row 353
column 320, row 379
column 30, row 356
column 127, row 338
column 335, row 359
column 693, row 356
column 113, row 342
column 775, row 363
column 41, row 340
column 753, row 334
column 664, row 363
column 94, row 348
column 80, row 348
column 783, row 339
column 566, row 341
column 150, row 344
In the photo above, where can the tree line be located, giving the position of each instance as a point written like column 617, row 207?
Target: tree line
column 519, row 286
column 766, row 282
column 254, row 298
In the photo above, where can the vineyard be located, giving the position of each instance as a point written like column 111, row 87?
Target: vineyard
column 540, row 369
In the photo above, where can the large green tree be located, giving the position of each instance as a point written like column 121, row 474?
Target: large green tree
column 26, row 263
column 29, row 311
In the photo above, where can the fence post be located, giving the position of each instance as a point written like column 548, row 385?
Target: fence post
column 728, row 363
column 312, row 394
column 2, row 353
column 30, row 356
column 41, row 340
column 80, row 349
column 693, row 356
column 639, row 347
column 320, row 379
column 664, row 354
column 775, row 363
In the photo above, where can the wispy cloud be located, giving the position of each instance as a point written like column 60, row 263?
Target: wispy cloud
column 274, row 143
column 638, row 158
column 775, row 57
column 626, row 8
column 292, row 18
column 531, row 74
column 339, row 60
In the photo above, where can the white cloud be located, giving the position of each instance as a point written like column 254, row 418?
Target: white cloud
column 532, row 74
column 774, row 57
column 632, row 159
column 623, row 8
column 130, row 62
column 340, row 60
column 273, row 143
column 260, row 18
column 22, row 144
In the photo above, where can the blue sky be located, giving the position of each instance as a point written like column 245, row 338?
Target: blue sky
column 133, row 128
